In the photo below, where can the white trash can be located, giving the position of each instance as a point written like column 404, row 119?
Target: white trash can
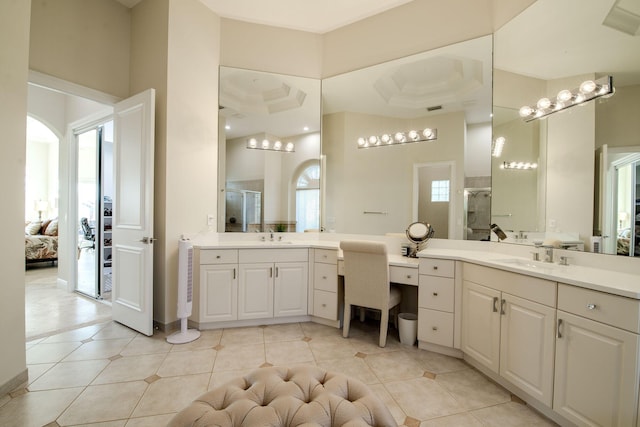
column 408, row 328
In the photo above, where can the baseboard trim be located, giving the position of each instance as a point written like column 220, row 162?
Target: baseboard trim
column 14, row 382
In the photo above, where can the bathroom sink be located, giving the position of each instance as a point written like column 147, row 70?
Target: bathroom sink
column 525, row 263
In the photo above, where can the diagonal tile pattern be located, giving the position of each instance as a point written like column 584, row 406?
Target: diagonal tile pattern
column 108, row 375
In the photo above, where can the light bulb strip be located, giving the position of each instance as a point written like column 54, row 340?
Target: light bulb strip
column 398, row 138
column 497, row 146
column 588, row 91
column 266, row 145
column 519, row 165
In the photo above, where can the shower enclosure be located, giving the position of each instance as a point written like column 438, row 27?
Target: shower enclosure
column 477, row 213
column 243, row 210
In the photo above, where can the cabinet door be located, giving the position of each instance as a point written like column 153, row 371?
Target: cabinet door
column 481, row 324
column 290, row 289
column 255, row 291
column 596, row 378
column 527, row 345
column 219, row 293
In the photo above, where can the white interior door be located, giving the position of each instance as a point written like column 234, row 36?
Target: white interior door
column 132, row 247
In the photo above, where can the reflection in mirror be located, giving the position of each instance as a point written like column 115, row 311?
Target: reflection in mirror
column 583, row 167
column 381, row 189
column 515, row 202
column 269, row 152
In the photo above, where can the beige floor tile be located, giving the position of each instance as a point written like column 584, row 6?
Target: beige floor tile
column 458, row 420
column 368, row 343
column 423, row 399
column 69, row 374
column 235, row 357
column 242, row 336
column 36, row 408
column 437, row 363
column 393, row 407
column 152, row 421
column 130, row 368
column 511, row 414
column 331, row 347
column 286, row 332
column 288, row 352
column 107, row 402
column 33, row 342
column 4, row 400
column 118, row 423
column 208, row 339
column 35, row 371
column 75, row 334
column 315, row 330
column 146, row 345
column 187, row 363
column 50, row 353
column 354, row 367
column 113, row 330
column 169, row 395
column 223, row 377
column 98, row 350
column 394, row 366
column 472, row 389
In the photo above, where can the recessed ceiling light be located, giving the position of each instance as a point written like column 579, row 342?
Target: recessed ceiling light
column 227, row 127
column 306, row 128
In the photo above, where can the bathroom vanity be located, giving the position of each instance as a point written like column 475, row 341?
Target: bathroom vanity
column 564, row 338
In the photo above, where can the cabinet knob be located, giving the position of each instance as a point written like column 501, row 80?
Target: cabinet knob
column 591, row 306
column 435, row 328
column 435, row 267
column 324, row 305
column 324, row 277
column 435, row 294
column 408, row 276
column 217, row 256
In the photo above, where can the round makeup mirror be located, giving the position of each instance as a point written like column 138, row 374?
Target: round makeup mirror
column 419, row 233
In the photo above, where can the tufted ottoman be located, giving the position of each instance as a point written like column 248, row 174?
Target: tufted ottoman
column 276, row 396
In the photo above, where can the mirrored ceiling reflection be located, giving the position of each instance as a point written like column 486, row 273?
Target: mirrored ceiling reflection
column 553, row 46
column 383, row 189
column 270, row 158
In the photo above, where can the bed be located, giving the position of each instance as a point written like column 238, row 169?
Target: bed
column 41, row 241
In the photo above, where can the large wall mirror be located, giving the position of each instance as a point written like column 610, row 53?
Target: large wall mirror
column 269, row 152
column 587, row 184
column 384, row 187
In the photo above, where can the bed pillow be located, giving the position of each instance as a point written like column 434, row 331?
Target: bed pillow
column 33, row 228
column 52, row 228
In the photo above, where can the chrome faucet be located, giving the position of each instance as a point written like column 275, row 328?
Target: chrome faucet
column 271, row 234
column 548, row 254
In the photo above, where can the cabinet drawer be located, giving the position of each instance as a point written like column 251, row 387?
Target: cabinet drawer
column 325, row 304
column 405, row 275
column 328, row 256
column 218, row 256
column 435, row 327
column 436, row 293
column 610, row 309
column 437, row 267
column 273, row 255
column 325, row 277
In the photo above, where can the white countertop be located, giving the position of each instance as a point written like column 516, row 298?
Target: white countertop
column 581, row 271
column 623, row 284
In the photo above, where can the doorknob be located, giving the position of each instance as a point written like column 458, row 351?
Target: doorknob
column 147, row 240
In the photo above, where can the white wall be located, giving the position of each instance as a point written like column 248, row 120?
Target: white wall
column 477, row 150
column 14, row 57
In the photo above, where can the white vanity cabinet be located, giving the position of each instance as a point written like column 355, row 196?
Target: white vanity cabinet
column 436, row 297
column 325, row 284
column 218, row 285
column 508, row 326
column 272, row 283
column 596, row 365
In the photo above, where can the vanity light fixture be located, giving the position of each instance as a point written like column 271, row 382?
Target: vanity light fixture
column 289, row 147
column 588, row 90
column 518, row 165
column 497, row 146
column 398, row 138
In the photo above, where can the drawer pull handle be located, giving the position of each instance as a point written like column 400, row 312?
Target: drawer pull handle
column 276, row 271
column 270, row 271
column 324, row 305
column 435, row 328
column 495, row 304
column 234, row 274
column 324, row 277
column 435, row 267
column 502, row 303
column 591, row 306
column 217, row 256
column 435, row 294
column 559, row 334
column 408, row 276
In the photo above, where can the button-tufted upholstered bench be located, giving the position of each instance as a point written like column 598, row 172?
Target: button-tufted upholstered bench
column 277, row 396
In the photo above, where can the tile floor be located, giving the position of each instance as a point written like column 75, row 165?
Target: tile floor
column 107, row 375
column 51, row 310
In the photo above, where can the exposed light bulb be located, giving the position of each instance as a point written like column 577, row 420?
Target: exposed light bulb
column 427, row 133
column 253, row 143
column 361, row 142
column 565, row 95
column 544, row 103
column 289, row 146
column 399, row 136
column 588, row 86
column 386, row 138
column 265, row 144
column 526, row 111
column 413, row 135
column 277, row 145
column 373, row 139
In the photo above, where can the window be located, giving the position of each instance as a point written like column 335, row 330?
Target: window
column 440, row 191
column 308, row 199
